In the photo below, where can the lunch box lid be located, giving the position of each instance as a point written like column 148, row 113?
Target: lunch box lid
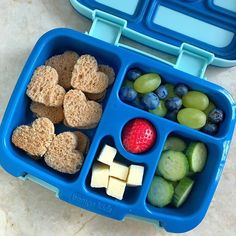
column 197, row 32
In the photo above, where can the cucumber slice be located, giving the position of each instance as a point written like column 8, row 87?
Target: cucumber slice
column 197, row 156
column 173, row 165
column 161, row 192
column 175, row 144
column 182, row 191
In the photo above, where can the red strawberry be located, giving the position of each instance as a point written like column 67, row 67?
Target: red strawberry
column 138, row 136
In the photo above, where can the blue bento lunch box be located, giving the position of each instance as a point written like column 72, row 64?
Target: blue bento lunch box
column 198, row 33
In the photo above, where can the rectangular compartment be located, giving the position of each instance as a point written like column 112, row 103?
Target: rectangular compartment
column 215, row 94
column 120, row 6
column 204, row 186
column 52, row 43
column 226, row 7
column 188, row 16
column 164, row 17
column 131, row 10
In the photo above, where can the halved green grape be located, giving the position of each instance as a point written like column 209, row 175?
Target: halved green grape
column 160, row 110
column 147, row 83
column 171, row 93
column 192, row 118
column 210, row 107
column 195, row 99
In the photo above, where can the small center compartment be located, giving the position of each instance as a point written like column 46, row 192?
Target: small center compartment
column 131, row 194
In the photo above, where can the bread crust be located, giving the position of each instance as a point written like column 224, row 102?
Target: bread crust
column 36, row 138
column 63, row 154
column 64, row 65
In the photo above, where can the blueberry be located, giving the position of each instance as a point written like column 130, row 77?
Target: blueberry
column 161, row 92
column 128, row 83
column 172, row 115
column 174, row 103
column 210, row 128
column 150, row 101
column 181, row 90
column 127, row 94
column 138, row 103
column 133, row 74
column 216, row 116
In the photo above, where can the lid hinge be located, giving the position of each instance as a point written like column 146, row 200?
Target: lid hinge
column 107, row 27
column 193, row 60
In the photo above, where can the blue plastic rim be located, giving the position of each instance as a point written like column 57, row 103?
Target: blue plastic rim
column 216, row 27
column 75, row 189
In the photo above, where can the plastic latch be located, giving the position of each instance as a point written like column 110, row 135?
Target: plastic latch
column 107, row 27
column 40, row 182
column 193, row 60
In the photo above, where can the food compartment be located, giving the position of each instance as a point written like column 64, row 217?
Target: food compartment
column 178, row 97
column 205, row 179
column 131, row 12
column 18, row 112
column 118, row 181
column 198, row 15
column 225, row 7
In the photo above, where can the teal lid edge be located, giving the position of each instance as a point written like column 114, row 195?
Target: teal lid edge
column 85, row 11
column 148, row 41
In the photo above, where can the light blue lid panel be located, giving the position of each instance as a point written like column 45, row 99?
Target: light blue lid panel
column 226, row 4
column 200, row 23
column 128, row 7
column 192, row 27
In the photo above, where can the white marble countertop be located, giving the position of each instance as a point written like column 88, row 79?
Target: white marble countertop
column 30, row 210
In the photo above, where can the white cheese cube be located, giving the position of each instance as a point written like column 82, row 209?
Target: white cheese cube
column 119, row 171
column 100, row 175
column 135, row 176
column 116, row 188
column 107, row 155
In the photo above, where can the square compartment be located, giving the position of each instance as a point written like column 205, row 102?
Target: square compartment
column 131, row 194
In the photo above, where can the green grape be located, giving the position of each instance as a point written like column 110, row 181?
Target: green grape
column 195, row 100
column 147, row 83
column 192, row 118
column 210, row 107
column 128, row 83
column 160, row 110
column 170, row 89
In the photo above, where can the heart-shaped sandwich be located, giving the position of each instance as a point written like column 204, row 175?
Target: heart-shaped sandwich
column 55, row 114
column 109, row 72
column 64, row 65
column 63, row 154
column 83, row 141
column 86, row 76
column 79, row 112
column 44, row 88
column 34, row 139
